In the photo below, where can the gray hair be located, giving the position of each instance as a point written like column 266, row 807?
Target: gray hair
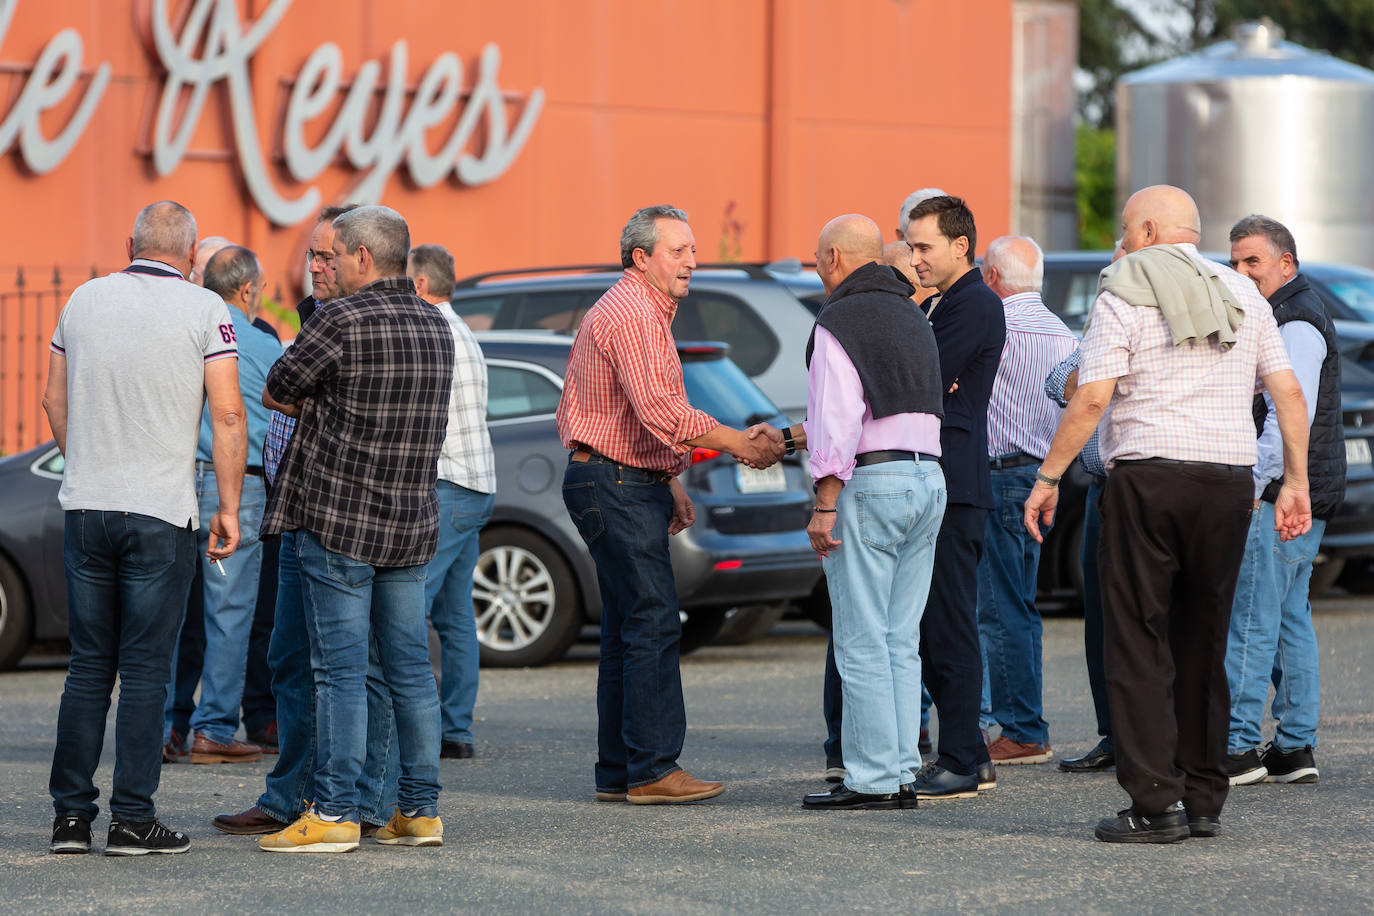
column 913, row 200
column 435, row 262
column 382, row 231
column 1016, row 275
column 1273, row 230
column 165, row 227
column 229, row 268
column 642, row 231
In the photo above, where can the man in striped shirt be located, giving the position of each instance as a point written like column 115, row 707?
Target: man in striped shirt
column 625, row 418
column 1021, row 422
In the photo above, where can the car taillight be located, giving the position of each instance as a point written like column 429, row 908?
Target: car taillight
column 729, row 564
column 700, row 454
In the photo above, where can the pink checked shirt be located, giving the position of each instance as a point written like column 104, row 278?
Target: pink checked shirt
column 1191, row 402
column 623, row 395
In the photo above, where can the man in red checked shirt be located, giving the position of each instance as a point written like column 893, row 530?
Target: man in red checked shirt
column 625, row 417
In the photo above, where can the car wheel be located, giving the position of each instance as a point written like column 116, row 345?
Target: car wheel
column 1324, row 575
column 815, row 607
column 700, row 628
column 743, row 625
column 524, row 598
column 16, row 622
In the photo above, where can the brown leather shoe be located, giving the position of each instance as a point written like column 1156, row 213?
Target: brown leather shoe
column 674, row 788
column 367, row 829
column 174, row 751
column 1006, row 752
column 246, row 823
column 203, row 750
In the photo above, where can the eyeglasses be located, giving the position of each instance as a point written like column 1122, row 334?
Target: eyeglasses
column 325, row 258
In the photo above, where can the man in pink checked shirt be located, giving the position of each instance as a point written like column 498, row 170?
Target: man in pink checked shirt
column 873, row 429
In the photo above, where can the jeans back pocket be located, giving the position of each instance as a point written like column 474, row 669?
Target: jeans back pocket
column 580, row 499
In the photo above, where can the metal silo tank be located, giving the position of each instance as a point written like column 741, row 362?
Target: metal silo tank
column 1257, row 125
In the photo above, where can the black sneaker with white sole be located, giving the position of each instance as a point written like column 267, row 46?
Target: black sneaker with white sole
column 1290, row 766
column 130, row 839
column 1245, row 769
column 71, row 835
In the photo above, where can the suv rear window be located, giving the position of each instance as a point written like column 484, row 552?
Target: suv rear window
column 709, row 315
column 720, row 388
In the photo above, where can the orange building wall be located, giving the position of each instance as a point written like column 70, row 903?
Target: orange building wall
column 781, row 113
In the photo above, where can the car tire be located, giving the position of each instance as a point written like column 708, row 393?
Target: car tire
column 525, row 599
column 16, row 619
column 815, row 607
column 1324, row 576
column 700, row 628
column 743, row 625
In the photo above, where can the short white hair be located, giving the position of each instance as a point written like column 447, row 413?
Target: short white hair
column 914, row 200
column 1016, row 275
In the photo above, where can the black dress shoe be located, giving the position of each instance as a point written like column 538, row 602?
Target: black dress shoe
column 459, row 750
column 1170, row 826
column 843, row 798
column 1101, row 757
column 1203, row 825
column 987, row 776
column 934, row 782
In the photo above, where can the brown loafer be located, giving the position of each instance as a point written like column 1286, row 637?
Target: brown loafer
column 674, row 788
column 203, row 750
column 245, row 823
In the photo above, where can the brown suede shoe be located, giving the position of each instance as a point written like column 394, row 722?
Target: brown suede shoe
column 246, row 823
column 676, row 787
column 203, row 750
column 367, row 829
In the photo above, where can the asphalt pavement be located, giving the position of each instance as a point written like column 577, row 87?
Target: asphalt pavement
column 524, row 835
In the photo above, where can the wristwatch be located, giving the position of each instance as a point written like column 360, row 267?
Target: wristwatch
column 1046, row 479
column 789, row 444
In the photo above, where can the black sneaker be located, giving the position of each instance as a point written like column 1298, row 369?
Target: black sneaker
column 1244, row 769
column 130, row 839
column 933, row 782
column 1169, row 826
column 71, row 835
column 1290, row 766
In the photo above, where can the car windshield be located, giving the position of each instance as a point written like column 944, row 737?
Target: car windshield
column 721, row 389
column 1356, row 290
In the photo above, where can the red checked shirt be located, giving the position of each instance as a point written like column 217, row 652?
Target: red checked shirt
column 623, row 395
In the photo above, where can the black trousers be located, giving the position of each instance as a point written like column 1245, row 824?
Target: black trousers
column 951, row 661
column 1173, row 535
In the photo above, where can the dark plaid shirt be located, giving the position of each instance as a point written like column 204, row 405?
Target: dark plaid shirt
column 374, row 371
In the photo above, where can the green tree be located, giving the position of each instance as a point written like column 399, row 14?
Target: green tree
column 1095, row 173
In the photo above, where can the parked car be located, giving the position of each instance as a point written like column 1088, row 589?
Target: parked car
column 535, row 585
column 763, row 311
column 1348, row 294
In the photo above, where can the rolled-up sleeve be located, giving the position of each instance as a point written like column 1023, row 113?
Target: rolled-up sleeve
column 834, row 409
column 1058, row 378
column 649, row 372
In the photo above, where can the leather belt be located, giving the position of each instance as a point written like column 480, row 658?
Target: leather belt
column 253, row 470
column 1015, row 460
column 1200, row 465
column 864, row 459
column 582, row 454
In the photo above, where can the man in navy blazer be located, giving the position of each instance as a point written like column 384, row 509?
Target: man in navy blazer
column 969, row 332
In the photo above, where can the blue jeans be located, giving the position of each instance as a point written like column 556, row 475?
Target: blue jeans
column 1092, row 612
column 1271, row 637
column 229, row 602
column 623, row 514
column 887, row 521
column 347, row 604
column 448, row 595
column 127, row 580
column 1008, row 621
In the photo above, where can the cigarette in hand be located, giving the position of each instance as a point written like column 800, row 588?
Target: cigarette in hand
column 220, row 566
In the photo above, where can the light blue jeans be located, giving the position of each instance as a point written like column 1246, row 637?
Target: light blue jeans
column 348, row 604
column 887, row 520
column 230, row 600
column 448, row 595
column 1272, row 638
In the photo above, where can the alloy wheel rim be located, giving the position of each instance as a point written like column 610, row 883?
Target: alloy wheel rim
column 513, row 598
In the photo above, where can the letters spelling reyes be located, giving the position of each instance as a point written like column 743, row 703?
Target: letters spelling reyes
column 398, row 134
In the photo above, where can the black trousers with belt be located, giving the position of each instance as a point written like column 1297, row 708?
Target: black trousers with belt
column 951, row 660
column 1173, row 535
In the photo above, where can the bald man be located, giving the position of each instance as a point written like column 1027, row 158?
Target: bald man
column 1021, row 421
column 1174, row 345
column 873, row 430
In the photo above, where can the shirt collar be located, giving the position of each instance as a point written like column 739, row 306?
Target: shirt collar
column 160, row 265
column 657, row 296
column 1016, row 300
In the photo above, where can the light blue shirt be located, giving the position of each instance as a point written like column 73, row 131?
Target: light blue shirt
column 258, row 350
column 1306, row 351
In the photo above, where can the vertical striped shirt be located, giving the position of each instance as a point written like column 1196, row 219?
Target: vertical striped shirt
column 623, row 395
column 466, row 457
column 1020, row 417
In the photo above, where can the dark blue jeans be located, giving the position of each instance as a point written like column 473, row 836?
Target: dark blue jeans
column 1092, row 611
column 623, row 514
column 127, row 580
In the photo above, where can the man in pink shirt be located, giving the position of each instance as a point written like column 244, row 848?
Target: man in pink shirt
column 873, row 429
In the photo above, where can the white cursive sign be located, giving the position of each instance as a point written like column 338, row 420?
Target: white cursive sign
column 214, row 47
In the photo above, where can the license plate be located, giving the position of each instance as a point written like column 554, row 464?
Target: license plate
column 769, row 480
column 1357, row 451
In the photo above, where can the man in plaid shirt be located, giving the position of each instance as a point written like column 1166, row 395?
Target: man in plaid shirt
column 369, row 378
column 625, row 417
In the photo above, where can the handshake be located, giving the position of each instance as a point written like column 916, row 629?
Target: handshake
column 761, row 445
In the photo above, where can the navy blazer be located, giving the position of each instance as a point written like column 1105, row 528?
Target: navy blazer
column 970, row 330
